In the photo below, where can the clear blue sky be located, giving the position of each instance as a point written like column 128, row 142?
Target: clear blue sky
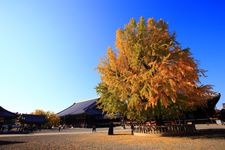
column 49, row 49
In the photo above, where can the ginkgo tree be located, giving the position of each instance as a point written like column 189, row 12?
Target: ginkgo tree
column 51, row 118
column 149, row 73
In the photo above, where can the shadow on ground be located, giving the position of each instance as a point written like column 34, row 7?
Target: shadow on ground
column 115, row 134
column 10, row 142
column 201, row 133
column 211, row 133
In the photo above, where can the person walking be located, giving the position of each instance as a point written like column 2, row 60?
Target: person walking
column 132, row 129
column 60, row 127
column 93, row 128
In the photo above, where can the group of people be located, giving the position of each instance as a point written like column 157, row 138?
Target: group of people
column 63, row 126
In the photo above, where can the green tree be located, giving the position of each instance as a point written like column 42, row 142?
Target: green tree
column 149, row 74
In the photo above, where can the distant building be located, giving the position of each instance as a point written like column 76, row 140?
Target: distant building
column 32, row 119
column 204, row 112
column 223, row 106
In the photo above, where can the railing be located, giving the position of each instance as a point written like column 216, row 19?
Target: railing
column 181, row 129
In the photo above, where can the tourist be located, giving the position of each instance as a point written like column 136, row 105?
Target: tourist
column 132, row 129
column 60, row 127
column 94, row 128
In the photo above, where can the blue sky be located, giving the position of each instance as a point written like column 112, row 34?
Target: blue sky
column 49, row 50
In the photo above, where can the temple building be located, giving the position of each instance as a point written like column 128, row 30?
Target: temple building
column 204, row 112
column 7, row 117
column 83, row 114
column 86, row 114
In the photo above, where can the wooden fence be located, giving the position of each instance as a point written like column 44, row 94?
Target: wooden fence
column 181, row 129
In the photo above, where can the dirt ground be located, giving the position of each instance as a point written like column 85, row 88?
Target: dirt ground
column 121, row 140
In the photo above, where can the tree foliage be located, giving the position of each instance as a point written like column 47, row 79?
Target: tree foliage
column 149, row 71
column 51, row 117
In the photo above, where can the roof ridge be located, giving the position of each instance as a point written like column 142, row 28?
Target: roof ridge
column 67, row 108
column 79, row 107
column 88, row 100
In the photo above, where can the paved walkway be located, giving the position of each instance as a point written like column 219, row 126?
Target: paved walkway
column 66, row 131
